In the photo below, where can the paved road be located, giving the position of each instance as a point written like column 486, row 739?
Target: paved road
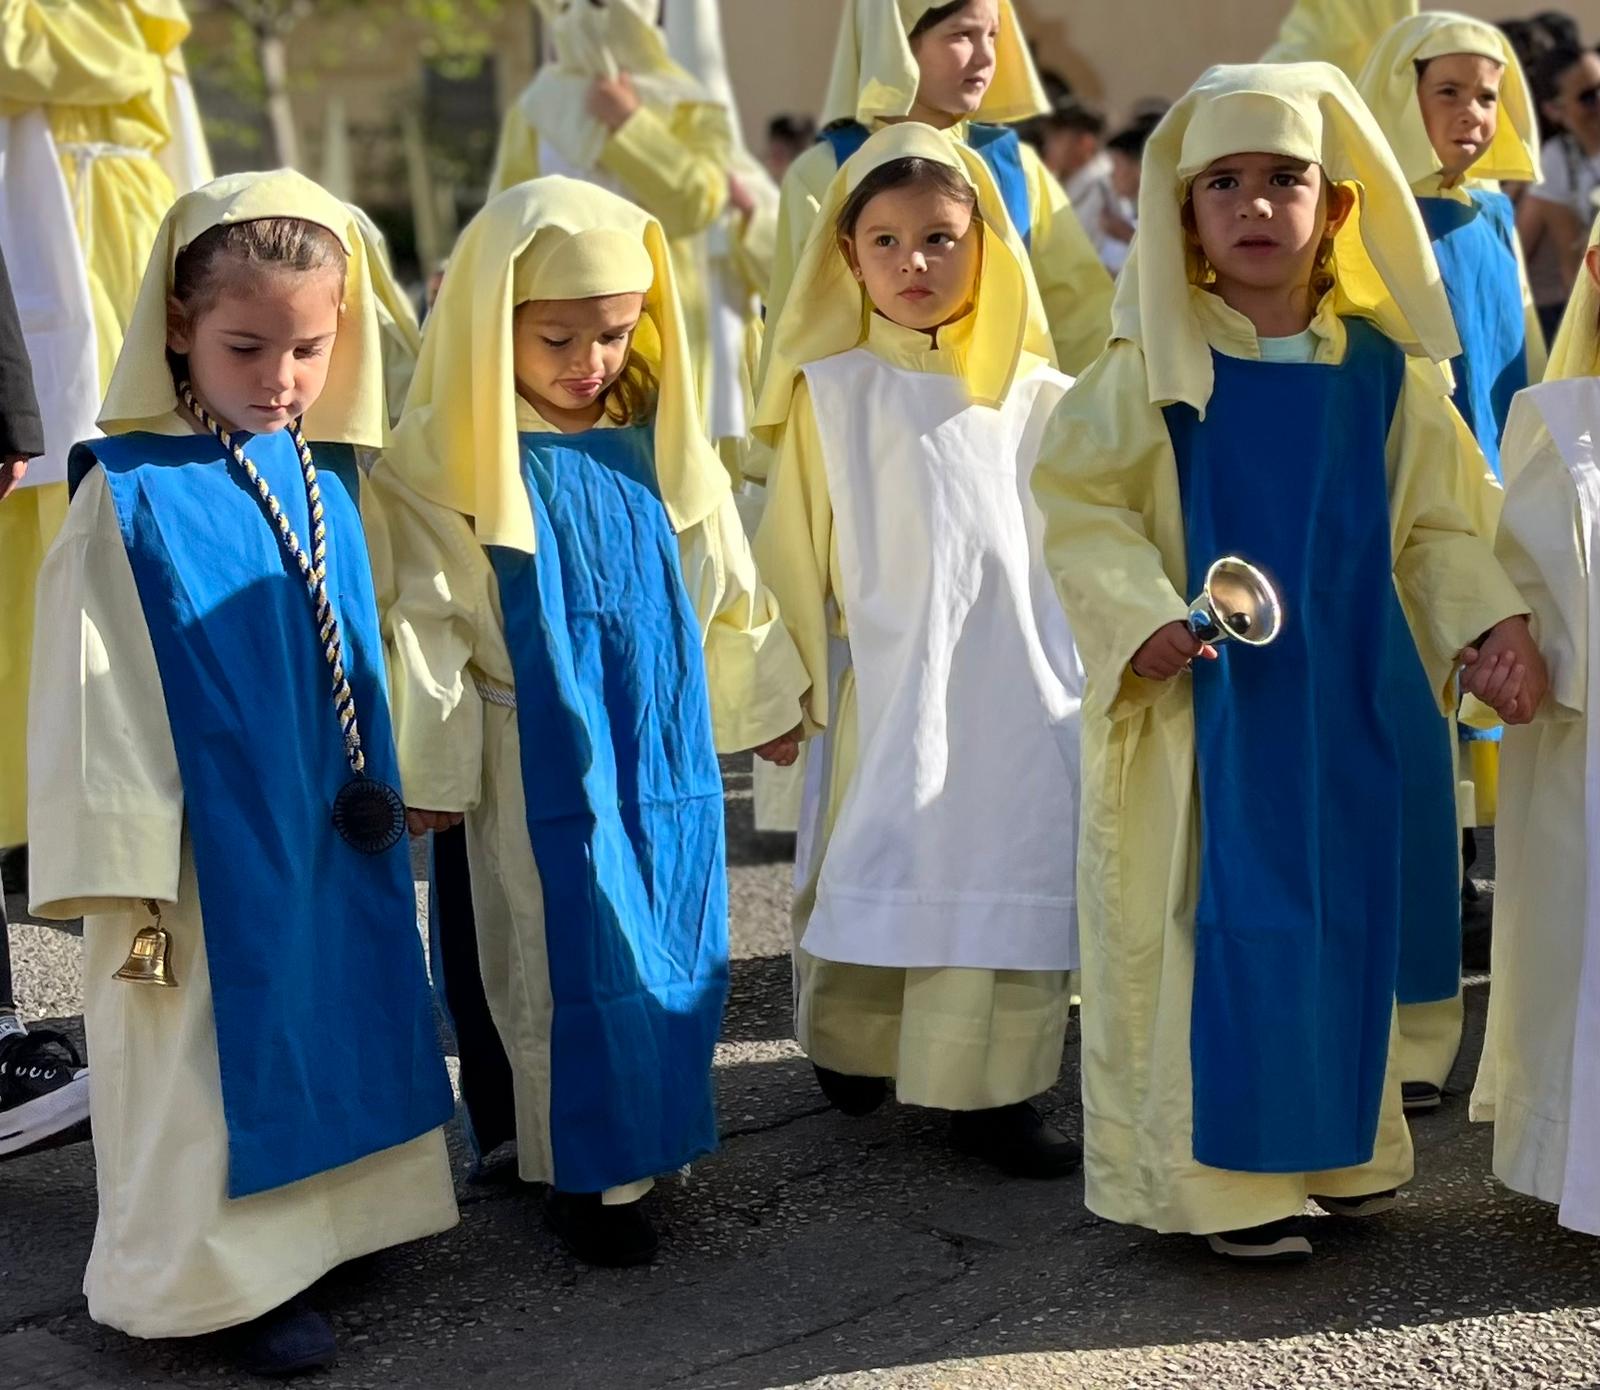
column 816, row 1251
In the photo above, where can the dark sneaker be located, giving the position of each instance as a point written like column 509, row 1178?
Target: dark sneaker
column 1016, row 1140
column 288, row 1341
column 1419, row 1097
column 612, row 1237
column 1373, row 1204
column 14, row 869
column 852, row 1095
column 1276, row 1243
column 44, row 1091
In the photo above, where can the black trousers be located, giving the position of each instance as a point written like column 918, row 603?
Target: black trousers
column 6, row 1001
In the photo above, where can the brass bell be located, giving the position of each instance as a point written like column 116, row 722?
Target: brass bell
column 147, row 962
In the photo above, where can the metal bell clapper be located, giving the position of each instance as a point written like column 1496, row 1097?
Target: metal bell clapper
column 149, row 957
column 1238, row 604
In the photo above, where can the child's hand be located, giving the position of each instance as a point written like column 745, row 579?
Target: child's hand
column 612, row 100
column 784, row 749
column 421, row 822
column 1169, row 650
column 1507, row 672
column 12, row 471
column 740, row 199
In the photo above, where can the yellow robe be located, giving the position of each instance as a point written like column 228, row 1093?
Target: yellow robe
column 89, row 66
column 1075, row 287
column 173, row 1256
column 460, row 752
column 952, row 1038
column 1107, row 482
column 675, row 167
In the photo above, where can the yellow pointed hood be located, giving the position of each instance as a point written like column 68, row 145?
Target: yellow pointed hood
column 826, row 308
column 550, row 238
column 1576, row 351
column 350, row 409
column 875, row 74
column 1382, row 261
column 1389, row 85
column 1341, row 32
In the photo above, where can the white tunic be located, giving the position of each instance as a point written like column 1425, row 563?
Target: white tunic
column 1540, row 1076
column 956, row 844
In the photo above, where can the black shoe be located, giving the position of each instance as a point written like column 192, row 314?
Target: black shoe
column 288, row 1341
column 14, row 869
column 1276, row 1243
column 852, row 1095
column 612, row 1237
column 1419, row 1097
column 44, row 1092
column 1016, row 1140
column 1373, row 1204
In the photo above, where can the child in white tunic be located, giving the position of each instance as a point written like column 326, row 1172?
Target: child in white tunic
column 911, row 379
column 279, row 1110
column 1539, row 1080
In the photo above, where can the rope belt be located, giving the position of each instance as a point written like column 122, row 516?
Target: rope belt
column 85, row 155
column 494, row 694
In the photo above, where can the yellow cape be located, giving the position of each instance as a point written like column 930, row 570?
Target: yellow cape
column 456, row 443
column 1576, row 351
column 1382, row 260
column 826, row 308
column 1389, row 85
column 351, row 407
column 1341, row 32
column 875, row 74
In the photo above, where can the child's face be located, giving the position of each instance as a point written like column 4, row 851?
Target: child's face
column 567, row 352
column 259, row 356
column 1125, row 176
column 956, row 59
column 915, row 251
column 1260, row 219
column 1460, row 98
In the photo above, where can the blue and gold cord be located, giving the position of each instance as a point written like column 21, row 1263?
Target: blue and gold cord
column 313, row 568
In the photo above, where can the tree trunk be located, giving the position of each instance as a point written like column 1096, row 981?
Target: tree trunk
column 272, row 53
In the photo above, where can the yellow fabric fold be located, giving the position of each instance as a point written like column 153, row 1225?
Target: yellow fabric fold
column 1341, row 32
column 351, row 407
column 1576, row 351
column 1382, row 260
column 456, row 443
column 1389, row 85
column 826, row 311
column 398, row 328
column 875, row 74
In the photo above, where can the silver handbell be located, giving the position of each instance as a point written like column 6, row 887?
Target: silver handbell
column 1239, row 603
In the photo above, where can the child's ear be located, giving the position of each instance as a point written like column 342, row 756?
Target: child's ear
column 1591, row 263
column 1341, row 203
column 847, row 249
column 179, row 339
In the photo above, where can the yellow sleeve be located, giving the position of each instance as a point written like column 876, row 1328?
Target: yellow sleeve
column 516, row 157
column 1444, row 507
column 676, row 171
column 1107, row 484
column 754, row 674
column 1075, row 286
column 799, row 202
column 436, row 597
column 105, row 801
column 89, row 53
column 794, row 548
column 755, row 245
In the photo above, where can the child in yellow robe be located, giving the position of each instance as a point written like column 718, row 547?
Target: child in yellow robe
column 935, row 923
column 1269, row 390
column 576, row 628
column 213, row 784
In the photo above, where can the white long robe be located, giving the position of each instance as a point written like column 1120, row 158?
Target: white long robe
column 173, row 1255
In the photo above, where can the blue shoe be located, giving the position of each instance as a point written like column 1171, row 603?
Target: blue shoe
column 285, row 1342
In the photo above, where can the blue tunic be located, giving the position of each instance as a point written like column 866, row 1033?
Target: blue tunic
column 325, row 1026
column 1000, row 146
column 1475, row 244
column 625, row 815
column 1299, row 753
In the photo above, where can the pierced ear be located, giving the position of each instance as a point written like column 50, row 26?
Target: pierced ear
column 178, row 336
column 847, row 249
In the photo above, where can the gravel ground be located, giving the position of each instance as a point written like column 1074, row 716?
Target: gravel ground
column 816, row 1251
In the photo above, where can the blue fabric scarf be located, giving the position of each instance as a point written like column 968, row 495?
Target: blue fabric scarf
column 625, row 813
column 325, row 1027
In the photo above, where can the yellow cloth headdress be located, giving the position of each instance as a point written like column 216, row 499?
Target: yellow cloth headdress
column 875, row 74
column 397, row 318
column 350, row 409
column 162, row 22
column 1389, row 85
column 1577, row 347
column 551, row 238
column 826, row 309
column 1341, row 32
column 1382, row 260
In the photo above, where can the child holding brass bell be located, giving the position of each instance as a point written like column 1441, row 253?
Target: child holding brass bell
column 1269, row 393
